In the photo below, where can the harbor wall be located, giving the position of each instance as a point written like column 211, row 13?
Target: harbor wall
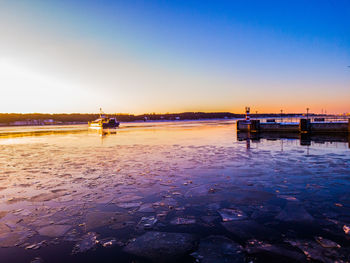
column 304, row 126
column 271, row 127
column 329, row 127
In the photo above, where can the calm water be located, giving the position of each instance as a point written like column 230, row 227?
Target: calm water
column 72, row 195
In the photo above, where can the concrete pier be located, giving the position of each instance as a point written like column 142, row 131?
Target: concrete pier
column 305, row 126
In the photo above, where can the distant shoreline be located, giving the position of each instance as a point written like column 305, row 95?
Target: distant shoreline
column 40, row 119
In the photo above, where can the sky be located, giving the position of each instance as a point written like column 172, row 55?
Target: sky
column 148, row 56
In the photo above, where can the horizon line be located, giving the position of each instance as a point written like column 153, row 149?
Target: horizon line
column 168, row 113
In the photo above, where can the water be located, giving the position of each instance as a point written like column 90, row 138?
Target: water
column 68, row 194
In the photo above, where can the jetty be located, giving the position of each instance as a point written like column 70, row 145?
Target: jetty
column 303, row 126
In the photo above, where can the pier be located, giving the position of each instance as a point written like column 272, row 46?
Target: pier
column 304, row 126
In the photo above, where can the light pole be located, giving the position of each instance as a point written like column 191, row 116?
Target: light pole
column 281, row 114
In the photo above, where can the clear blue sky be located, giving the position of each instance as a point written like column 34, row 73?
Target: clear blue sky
column 162, row 56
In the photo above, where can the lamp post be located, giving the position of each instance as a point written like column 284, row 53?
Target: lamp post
column 281, row 114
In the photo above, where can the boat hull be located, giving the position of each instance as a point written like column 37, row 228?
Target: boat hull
column 104, row 125
column 110, row 125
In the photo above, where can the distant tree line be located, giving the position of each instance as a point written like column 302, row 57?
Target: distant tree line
column 8, row 118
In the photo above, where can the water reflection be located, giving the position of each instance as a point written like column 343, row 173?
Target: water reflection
column 105, row 132
column 89, row 196
column 29, row 131
column 304, row 139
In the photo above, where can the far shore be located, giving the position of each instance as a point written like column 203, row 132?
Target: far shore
column 40, row 119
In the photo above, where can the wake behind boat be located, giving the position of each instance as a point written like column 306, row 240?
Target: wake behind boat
column 104, row 122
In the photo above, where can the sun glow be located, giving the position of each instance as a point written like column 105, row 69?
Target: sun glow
column 24, row 88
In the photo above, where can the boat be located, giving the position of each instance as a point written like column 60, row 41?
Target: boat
column 104, row 122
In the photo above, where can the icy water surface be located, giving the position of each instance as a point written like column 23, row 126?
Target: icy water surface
column 175, row 191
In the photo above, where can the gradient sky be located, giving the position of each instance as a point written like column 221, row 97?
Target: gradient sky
column 172, row 56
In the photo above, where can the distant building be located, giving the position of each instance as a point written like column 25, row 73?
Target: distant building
column 49, row 122
column 32, row 122
column 20, row 123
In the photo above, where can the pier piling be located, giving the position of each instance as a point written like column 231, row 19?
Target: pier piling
column 254, row 126
column 304, row 125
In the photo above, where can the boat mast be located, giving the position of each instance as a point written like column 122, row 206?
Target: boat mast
column 102, row 115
